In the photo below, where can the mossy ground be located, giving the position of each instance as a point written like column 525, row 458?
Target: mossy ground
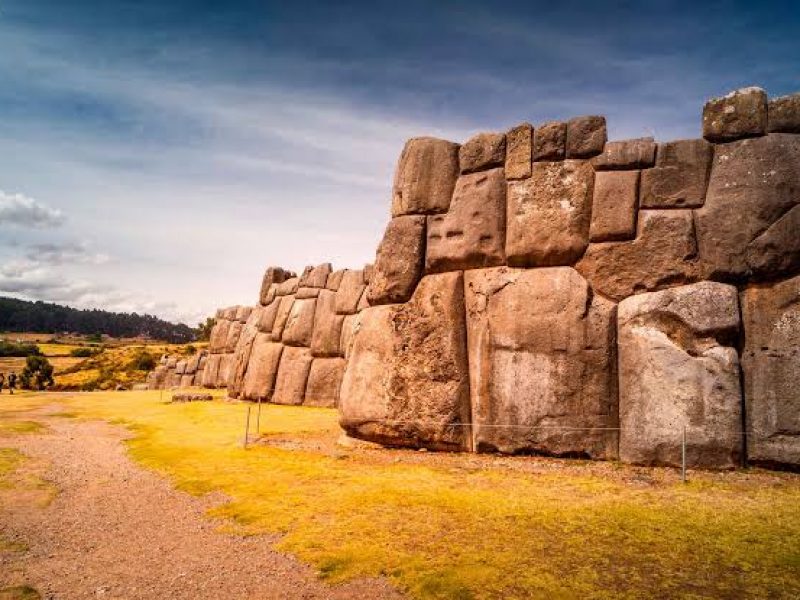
column 461, row 526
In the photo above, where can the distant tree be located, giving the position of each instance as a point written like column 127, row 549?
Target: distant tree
column 37, row 374
column 143, row 361
column 204, row 329
column 18, row 349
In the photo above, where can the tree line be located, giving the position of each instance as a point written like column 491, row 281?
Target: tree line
column 43, row 317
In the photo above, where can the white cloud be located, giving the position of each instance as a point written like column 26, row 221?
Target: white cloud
column 19, row 210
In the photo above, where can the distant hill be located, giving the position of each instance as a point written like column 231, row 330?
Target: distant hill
column 42, row 317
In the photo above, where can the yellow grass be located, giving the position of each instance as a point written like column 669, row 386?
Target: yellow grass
column 466, row 527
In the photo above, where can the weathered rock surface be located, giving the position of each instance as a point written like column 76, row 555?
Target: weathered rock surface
column 549, row 215
column 234, row 331
column 326, row 339
column 472, row 233
column 350, row 291
column 399, row 262
column 334, row 279
column 519, row 151
column 586, row 136
column 315, row 277
column 300, row 323
column 748, row 226
column 784, row 114
column 267, row 316
column 287, row 287
column 225, row 368
column 662, row 255
column 304, row 293
column 425, row 176
column 272, row 277
column 771, row 363
column 290, row 385
column 678, row 369
column 243, row 313
column 281, row 316
column 406, row 382
column 482, row 151
column 542, row 363
column 680, row 176
column 614, row 206
column 241, row 357
column 324, row 380
column 180, row 367
column 262, row 369
column 219, row 335
column 639, row 153
column 740, row 114
column 550, row 141
column 211, row 372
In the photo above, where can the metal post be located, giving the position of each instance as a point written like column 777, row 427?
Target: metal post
column 247, row 426
column 258, row 418
column 683, row 456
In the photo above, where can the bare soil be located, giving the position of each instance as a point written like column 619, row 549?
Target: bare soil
column 115, row 530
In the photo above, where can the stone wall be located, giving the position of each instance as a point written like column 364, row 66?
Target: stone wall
column 547, row 291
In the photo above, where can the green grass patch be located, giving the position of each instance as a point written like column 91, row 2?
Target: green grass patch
column 440, row 527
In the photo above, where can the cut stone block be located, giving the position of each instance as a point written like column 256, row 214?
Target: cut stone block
column 281, row 316
column 234, row 332
column 334, row 279
column 481, row 152
column 542, row 363
column 472, row 233
column 549, row 214
column 288, row 287
column 272, row 277
column 300, row 323
column 324, row 380
column 262, row 369
column 315, row 277
column 586, row 136
column 680, row 176
column 350, row 291
column 406, row 382
column 771, row 364
column 290, row 386
column 678, row 369
column 639, row 153
column 784, row 114
column 615, row 205
column 326, row 339
column 550, row 141
column 399, row 262
column 519, row 151
column 740, row 114
column 425, row 176
column 304, row 293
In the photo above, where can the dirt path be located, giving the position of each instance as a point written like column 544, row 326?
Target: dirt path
column 116, row 530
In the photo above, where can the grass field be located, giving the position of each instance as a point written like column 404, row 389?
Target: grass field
column 466, row 526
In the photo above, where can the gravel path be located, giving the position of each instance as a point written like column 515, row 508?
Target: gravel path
column 116, row 530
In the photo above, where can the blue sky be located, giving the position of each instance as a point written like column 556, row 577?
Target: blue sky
column 157, row 155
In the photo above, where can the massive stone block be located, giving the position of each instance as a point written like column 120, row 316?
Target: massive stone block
column 262, row 368
column 626, row 154
column 326, row 339
column 290, row 385
column 771, row 362
column 234, row 331
column 550, row 141
column 315, row 277
column 267, row 316
column 300, row 323
column 662, row 255
column 614, row 206
column 335, row 279
column 287, row 287
column 586, row 136
column 519, row 151
column 425, row 176
column 219, row 335
column 350, row 326
column 549, row 214
column 481, row 152
column 225, row 369
column 472, row 233
column 281, row 316
column 406, row 381
column 272, row 277
column 678, row 369
column 749, row 223
column 680, row 176
column 784, row 114
column 243, row 313
column 304, row 293
column 350, row 291
column 180, row 367
column 324, row 380
column 399, row 262
column 541, row 362
column 742, row 113
column 211, row 370
column 241, row 356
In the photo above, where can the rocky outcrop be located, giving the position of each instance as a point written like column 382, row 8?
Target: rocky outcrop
column 679, row 371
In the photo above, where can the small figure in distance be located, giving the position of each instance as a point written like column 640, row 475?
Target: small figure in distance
column 2, row 380
column 12, row 382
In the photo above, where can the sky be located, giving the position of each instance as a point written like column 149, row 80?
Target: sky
column 157, row 155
